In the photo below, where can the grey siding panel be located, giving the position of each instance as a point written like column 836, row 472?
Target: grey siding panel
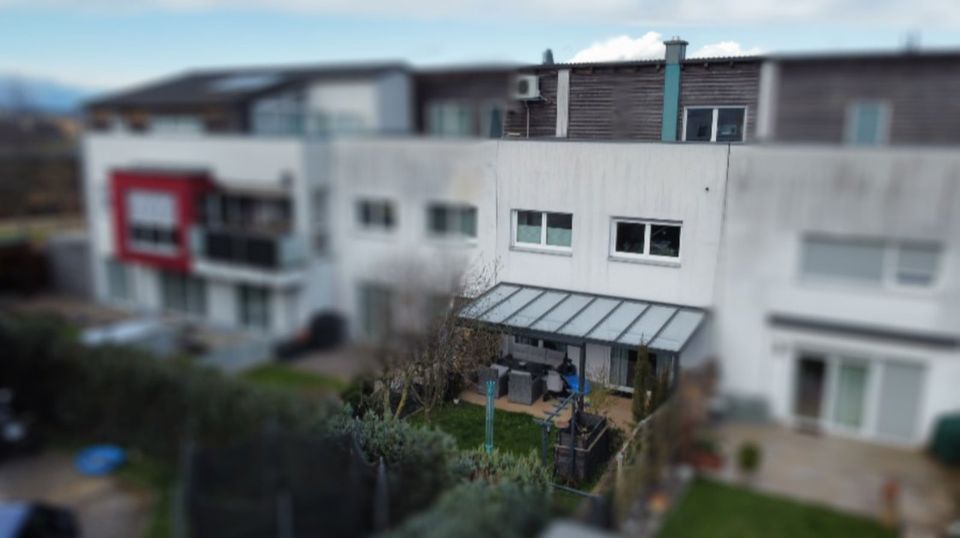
column 730, row 84
column 626, row 102
column 622, row 104
column 924, row 93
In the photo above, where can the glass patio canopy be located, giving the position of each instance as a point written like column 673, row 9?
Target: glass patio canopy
column 577, row 318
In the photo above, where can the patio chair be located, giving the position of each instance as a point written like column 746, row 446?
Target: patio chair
column 496, row 372
column 554, row 382
column 525, row 387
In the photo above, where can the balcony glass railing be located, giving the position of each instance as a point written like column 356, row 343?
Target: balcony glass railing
column 248, row 249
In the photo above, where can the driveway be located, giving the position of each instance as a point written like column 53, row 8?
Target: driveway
column 848, row 475
column 105, row 507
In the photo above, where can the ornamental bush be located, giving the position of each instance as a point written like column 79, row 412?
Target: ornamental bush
column 126, row 396
column 480, row 509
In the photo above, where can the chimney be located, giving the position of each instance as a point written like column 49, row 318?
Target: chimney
column 675, row 53
column 548, row 57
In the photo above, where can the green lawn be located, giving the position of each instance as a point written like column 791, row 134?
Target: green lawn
column 286, row 377
column 512, row 432
column 719, row 511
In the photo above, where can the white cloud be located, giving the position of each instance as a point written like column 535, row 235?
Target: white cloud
column 650, row 46
column 724, row 48
column 623, row 48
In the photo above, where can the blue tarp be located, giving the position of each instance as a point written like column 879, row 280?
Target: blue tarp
column 574, row 381
column 99, row 460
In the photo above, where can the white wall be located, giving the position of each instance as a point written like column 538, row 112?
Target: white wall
column 776, row 195
column 274, row 164
column 358, row 99
column 395, row 103
column 598, row 181
column 411, row 173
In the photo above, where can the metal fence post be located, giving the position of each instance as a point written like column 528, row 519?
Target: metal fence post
column 488, row 445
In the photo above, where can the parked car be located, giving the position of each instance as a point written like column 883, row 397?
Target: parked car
column 36, row 520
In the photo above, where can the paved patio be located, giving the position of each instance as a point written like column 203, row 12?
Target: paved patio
column 618, row 410
column 104, row 507
column 847, row 474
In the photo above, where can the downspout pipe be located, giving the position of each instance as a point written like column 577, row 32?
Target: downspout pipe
column 675, row 53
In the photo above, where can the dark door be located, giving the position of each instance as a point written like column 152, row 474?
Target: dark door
column 810, row 379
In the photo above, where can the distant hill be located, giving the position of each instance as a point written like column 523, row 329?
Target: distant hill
column 37, row 94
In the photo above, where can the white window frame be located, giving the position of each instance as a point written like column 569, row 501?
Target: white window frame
column 376, row 227
column 455, row 235
column 646, row 256
column 833, row 355
column 889, row 279
column 542, row 245
column 716, row 116
column 851, row 121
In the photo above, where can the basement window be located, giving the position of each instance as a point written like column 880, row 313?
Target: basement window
column 714, row 124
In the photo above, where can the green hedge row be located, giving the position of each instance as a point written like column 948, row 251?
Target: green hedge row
column 123, row 396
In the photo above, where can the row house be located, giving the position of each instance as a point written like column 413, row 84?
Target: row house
column 733, row 209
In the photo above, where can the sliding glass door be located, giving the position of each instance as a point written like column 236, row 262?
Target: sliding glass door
column 850, row 392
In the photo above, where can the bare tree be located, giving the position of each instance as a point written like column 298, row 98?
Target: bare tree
column 427, row 351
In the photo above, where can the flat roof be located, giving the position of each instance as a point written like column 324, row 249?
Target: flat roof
column 574, row 316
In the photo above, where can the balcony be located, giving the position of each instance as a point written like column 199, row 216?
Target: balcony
column 245, row 255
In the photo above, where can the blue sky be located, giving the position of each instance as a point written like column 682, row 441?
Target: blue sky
column 108, row 43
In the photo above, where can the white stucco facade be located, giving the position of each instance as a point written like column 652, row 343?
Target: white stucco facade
column 744, row 214
column 777, row 196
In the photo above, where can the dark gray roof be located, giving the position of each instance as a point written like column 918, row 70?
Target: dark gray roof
column 229, row 86
column 642, row 63
column 585, row 317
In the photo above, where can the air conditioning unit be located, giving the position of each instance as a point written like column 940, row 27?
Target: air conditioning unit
column 526, row 87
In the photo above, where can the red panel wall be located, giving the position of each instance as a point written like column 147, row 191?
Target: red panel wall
column 185, row 187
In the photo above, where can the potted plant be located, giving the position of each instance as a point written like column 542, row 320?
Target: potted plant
column 749, row 457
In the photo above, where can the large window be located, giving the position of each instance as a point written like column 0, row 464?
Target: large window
column 715, row 124
column 450, row 118
column 118, row 282
column 263, row 214
column 152, row 222
column 253, row 306
column 183, row 293
column 376, row 215
column 871, row 262
column 543, row 229
column 376, row 315
column 634, row 238
column 867, row 123
column 452, row 220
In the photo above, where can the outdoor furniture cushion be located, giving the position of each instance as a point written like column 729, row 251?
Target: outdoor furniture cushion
column 524, row 387
column 496, row 373
column 554, row 381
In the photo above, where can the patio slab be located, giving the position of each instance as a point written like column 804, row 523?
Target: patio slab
column 105, row 507
column 847, row 474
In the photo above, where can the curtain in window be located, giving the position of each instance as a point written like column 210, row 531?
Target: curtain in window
column 850, row 392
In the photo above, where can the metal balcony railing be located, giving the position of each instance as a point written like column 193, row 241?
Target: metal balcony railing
column 248, row 249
